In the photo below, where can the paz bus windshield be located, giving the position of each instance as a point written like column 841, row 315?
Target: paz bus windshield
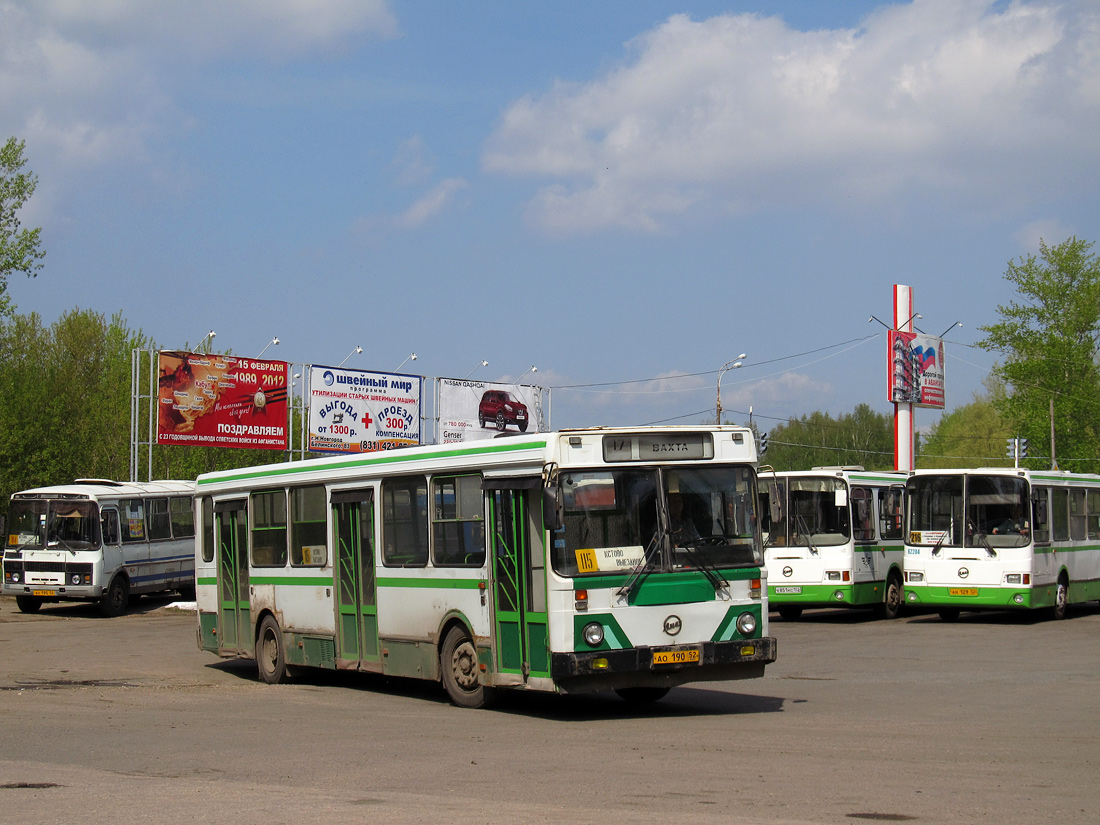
column 49, row 523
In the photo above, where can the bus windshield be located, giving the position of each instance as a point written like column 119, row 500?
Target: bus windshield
column 49, row 523
column 818, row 509
column 687, row 518
column 993, row 513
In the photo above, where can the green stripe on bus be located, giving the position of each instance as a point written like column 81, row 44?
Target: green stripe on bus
column 206, row 580
column 443, row 584
column 388, row 457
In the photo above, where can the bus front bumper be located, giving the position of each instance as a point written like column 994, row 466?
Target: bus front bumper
column 635, row 667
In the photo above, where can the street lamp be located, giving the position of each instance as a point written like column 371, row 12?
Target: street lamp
column 274, row 341
column 355, row 351
column 482, row 363
column 726, row 367
column 210, row 335
column 533, row 369
column 412, row 357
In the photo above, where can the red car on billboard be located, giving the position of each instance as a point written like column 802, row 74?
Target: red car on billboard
column 502, row 408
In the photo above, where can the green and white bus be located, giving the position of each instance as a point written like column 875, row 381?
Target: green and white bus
column 100, row 540
column 833, row 538
column 1001, row 538
column 541, row 562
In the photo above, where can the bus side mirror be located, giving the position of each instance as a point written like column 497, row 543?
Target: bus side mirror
column 553, row 508
column 775, row 504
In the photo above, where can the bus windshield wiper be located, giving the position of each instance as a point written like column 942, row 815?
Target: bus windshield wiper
column 643, row 568
column 707, row 569
column 800, row 522
column 939, row 544
column 980, row 536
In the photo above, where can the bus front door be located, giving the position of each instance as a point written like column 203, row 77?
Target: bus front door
column 356, row 605
column 231, row 528
column 519, row 583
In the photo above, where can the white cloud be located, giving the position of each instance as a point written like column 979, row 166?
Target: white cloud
column 431, row 204
column 1049, row 231
column 972, row 99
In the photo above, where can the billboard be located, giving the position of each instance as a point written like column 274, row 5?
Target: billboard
column 916, row 369
column 472, row 410
column 209, row 400
column 354, row 411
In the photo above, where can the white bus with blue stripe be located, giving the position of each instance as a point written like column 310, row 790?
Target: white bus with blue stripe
column 99, row 540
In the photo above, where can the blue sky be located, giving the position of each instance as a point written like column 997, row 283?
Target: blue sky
column 625, row 194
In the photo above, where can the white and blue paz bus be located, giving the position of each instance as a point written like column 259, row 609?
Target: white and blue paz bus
column 99, row 540
column 575, row 561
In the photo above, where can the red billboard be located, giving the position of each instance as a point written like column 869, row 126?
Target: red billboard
column 208, row 400
column 916, row 371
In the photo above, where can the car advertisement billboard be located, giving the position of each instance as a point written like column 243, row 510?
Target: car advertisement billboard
column 916, row 369
column 355, row 411
column 209, row 400
column 472, row 410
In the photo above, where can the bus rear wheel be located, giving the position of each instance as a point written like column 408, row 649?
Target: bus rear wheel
column 117, row 598
column 790, row 612
column 28, row 604
column 270, row 653
column 459, row 666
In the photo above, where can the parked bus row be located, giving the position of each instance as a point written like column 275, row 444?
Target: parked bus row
column 946, row 540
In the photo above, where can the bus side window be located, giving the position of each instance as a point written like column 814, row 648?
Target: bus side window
column 405, row 522
column 889, row 513
column 1041, row 518
column 863, row 527
column 109, row 526
column 183, row 517
column 160, row 523
column 132, row 524
column 1092, row 504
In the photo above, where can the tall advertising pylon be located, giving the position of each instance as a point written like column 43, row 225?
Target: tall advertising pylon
column 903, row 411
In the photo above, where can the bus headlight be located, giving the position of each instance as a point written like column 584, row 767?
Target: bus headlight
column 1013, row 578
column 746, row 624
column 75, row 578
column 593, row 634
column 15, row 576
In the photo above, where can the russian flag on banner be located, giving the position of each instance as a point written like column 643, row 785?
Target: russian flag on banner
column 926, row 357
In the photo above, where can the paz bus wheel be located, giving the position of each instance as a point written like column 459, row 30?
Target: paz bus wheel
column 117, row 598
column 459, row 666
column 28, row 604
column 270, row 652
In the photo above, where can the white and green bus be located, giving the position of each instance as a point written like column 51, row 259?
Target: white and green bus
column 100, row 540
column 833, row 538
column 545, row 562
column 1002, row 539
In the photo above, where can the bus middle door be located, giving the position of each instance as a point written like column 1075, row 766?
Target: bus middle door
column 231, row 529
column 519, row 577
column 356, row 604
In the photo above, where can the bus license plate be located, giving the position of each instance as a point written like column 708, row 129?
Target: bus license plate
column 788, row 589
column 43, row 593
column 962, row 591
column 676, row 657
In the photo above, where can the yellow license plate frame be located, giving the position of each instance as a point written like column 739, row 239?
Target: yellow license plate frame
column 962, row 591
column 43, row 592
column 677, row 656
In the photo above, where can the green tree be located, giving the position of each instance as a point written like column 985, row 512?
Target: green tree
column 1049, row 341
column 973, row 435
column 20, row 249
column 863, row 437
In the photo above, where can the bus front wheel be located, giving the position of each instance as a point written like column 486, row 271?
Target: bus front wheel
column 28, row 604
column 459, row 665
column 890, row 608
column 270, row 653
column 1061, row 599
column 642, row 695
column 115, row 601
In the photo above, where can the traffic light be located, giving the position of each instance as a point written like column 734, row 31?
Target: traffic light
column 1023, row 448
column 1010, row 451
column 762, row 443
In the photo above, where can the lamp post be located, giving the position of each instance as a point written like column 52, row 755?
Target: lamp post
column 482, row 363
column 726, row 367
column 209, row 336
column 355, row 351
column 411, row 357
column 532, row 369
column 274, row 341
